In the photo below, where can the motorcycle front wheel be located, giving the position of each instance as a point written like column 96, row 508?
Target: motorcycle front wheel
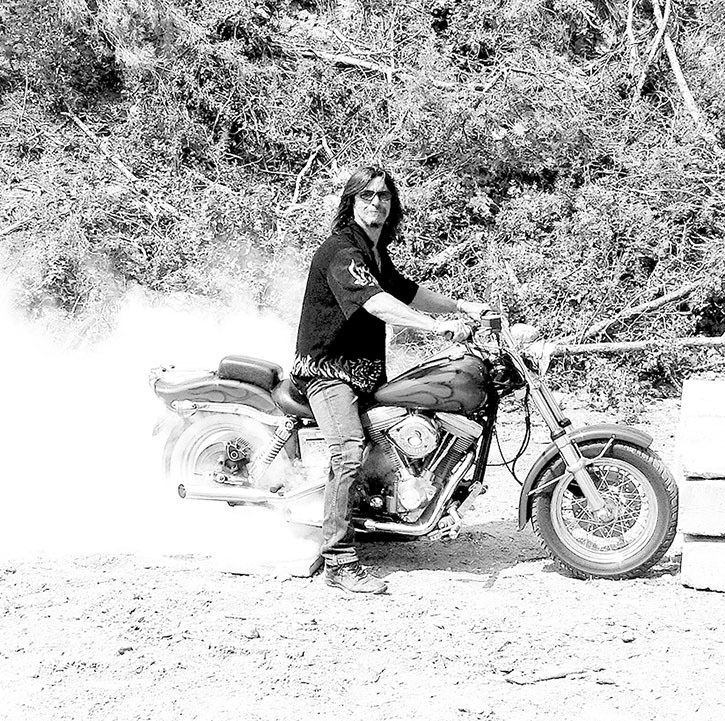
column 641, row 495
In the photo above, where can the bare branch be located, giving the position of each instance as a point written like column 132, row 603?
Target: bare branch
column 330, row 155
column 303, row 172
column 294, row 203
column 119, row 165
column 689, row 100
column 447, row 254
column 632, row 346
column 390, row 72
column 650, row 305
column 653, row 50
column 631, row 41
column 350, row 61
column 17, row 225
column 549, row 674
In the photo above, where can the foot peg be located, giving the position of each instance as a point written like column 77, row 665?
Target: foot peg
column 450, row 525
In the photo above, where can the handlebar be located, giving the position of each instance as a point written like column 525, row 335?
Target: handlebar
column 501, row 336
column 489, row 321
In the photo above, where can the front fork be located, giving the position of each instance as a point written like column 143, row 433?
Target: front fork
column 574, row 461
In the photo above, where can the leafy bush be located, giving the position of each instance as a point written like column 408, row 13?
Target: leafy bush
column 528, row 167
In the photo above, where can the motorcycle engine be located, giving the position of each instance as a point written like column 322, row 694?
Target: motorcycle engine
column 416, row 436
column 420, row 452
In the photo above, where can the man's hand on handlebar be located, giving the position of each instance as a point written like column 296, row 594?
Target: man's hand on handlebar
column 455, row 330
column 473, row 309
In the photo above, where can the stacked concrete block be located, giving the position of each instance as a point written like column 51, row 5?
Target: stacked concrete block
column 701, row 444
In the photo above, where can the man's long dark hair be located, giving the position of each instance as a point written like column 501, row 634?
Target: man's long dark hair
column 358, row 181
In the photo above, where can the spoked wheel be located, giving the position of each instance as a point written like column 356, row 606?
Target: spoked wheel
column 641, row 497
column 220, row 448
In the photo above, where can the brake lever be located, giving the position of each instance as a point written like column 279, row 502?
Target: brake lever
column 487, row 321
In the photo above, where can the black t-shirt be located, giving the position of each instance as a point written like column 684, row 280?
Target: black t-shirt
column 337, row 337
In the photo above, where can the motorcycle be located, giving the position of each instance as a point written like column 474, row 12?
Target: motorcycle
column 598, row 497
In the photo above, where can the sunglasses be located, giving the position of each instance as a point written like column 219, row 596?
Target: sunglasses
column 368, row 195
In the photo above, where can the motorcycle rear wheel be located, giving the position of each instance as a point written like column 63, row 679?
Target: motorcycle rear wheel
column 637, row 488
column 195, row 454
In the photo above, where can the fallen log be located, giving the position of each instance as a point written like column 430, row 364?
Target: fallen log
column 564, row 349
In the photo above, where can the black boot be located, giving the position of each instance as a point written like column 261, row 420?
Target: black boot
column 354, row 578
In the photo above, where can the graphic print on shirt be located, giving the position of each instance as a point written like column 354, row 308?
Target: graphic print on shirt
column 364, row 374
column 360, row 274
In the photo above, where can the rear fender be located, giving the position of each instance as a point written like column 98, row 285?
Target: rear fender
column 165, row 424
column 206, row 387
column 588, row 434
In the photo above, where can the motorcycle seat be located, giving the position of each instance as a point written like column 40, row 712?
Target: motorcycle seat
column 291, row 401
column 258, row 372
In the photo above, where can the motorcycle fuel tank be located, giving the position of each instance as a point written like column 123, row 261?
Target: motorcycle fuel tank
column 451, row 383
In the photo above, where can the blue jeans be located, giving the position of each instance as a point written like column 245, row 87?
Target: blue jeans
column 335, row 406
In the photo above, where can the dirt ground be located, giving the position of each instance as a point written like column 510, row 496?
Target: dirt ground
column 481, row 628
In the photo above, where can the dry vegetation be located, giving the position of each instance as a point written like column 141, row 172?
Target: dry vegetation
column 565, row 153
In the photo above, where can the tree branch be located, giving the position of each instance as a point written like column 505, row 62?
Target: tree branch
column 650, row 305
column 119, row 165
column 632, row 346
column 632, row 42
column 390, row 72
column 298, row 182
column 15, row 226
column 689, row 100
column 330, row 155
column 447, row 254
column 350, row 61
column 652, row 50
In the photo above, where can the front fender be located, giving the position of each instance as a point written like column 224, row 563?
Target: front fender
column 601, row 432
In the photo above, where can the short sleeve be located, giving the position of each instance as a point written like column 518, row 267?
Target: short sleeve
column 401, row 287
column 351, row 281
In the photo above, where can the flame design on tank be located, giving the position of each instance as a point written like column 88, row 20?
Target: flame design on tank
column 455, row 385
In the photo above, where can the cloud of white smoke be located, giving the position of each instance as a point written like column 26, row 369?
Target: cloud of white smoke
column 81, row 472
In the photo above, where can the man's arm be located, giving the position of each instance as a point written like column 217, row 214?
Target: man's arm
column 390, row 310
column 429, row 301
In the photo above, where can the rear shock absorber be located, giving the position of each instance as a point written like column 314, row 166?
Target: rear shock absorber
column 282, row 434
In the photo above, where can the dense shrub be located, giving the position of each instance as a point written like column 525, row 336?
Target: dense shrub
column 525, row 161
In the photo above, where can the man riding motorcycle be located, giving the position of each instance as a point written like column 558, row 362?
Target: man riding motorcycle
column 353, row 290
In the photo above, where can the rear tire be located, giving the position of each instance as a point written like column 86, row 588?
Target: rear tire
column 199, row 449
column 639, row 490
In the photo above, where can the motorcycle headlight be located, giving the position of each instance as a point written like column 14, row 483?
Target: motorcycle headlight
column 523, row 333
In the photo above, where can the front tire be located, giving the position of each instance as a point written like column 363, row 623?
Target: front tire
column 637, row 488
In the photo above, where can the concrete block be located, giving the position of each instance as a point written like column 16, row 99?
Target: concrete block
column 701, row 431
column 703, row 563
column 703, row 398
column 702, row 507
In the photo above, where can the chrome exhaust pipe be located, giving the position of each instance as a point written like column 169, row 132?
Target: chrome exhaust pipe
column 245, row 494
column 229, row 494
column 428, row 521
